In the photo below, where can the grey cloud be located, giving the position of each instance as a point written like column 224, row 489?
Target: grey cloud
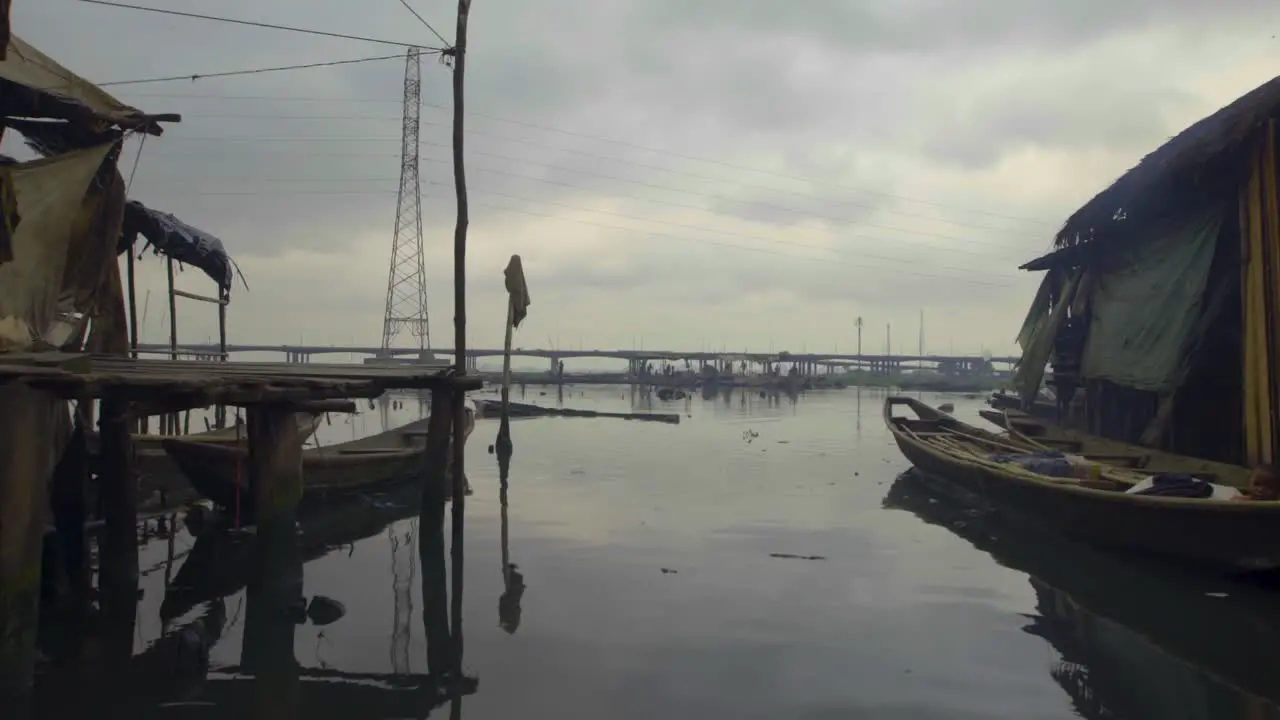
column 925, row 25
column 844, row 95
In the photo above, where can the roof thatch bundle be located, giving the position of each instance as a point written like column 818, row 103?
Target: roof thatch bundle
column 1205, row 161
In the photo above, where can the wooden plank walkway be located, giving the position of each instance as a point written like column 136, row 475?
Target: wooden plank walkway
column 72, row 375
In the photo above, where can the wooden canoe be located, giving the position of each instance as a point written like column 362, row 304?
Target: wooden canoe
column 220, row 472
column 1150, row 460
column 158, row 474
column 1234, row 535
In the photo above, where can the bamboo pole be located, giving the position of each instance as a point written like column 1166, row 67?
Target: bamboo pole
column 225, row 295
column 460, row 344
column 504, row 447
column 171, row 420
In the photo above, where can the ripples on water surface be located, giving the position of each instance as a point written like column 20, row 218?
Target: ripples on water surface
column 652, row 588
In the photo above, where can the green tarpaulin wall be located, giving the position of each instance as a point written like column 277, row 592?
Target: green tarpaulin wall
column 1145, row 311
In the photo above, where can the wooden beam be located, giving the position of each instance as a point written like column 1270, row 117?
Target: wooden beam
column 201, row 298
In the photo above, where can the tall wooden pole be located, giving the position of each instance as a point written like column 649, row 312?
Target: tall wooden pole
column 460, row 345
column 504, row 421
column 224, row 297
column 172, row 418
column 133, row 303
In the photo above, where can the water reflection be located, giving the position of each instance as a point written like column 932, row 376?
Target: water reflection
column 512, row 580
column 1136, row 642
column 268, row 681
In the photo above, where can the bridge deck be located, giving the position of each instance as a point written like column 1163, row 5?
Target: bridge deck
column 205, row 383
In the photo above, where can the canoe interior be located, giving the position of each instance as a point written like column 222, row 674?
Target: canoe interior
column 1225, row 534
column 217, row 471
column 160, row 481
column 1150, row 460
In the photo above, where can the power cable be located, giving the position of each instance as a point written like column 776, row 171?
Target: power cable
column 644, row 233
column 598, row 138
column 687, row 226
column 626, row 161
column 423, row 20
column 668, row 188
column 268, row 26
column 230, row 73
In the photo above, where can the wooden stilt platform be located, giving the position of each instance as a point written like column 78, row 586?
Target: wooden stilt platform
column 126, row 387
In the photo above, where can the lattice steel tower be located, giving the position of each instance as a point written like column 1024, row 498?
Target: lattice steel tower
column 407, row 281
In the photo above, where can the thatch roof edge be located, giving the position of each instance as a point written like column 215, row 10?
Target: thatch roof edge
column 1176, row 165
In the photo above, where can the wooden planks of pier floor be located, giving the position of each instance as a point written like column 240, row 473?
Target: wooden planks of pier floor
column 199, row 383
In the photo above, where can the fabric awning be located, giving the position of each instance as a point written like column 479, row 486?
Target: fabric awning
column 27, row 67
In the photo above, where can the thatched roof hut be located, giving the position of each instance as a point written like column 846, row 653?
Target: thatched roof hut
column 1160, row 302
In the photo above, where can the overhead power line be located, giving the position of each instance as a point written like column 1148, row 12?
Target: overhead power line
column 268, row 26
column 423, row 20
column 625, row 161
column 711, row 196
column 599, row 138
column 204, row 76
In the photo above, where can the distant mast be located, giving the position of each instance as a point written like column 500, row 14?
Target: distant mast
column 921, row 352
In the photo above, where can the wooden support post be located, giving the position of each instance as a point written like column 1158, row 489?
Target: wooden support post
column 70, row 512
column 118, row 560
column 275, row 465
column 459, row 52
column 171, row 423
column 504, row 447
column 435, row 595
column 274, row 588
column 26, row 460
column 220, row 415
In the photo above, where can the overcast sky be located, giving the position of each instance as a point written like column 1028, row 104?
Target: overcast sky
column 719, row 173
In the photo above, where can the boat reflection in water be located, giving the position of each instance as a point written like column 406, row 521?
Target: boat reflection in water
column 1137, row 641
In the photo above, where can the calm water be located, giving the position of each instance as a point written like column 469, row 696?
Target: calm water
column 652, row 589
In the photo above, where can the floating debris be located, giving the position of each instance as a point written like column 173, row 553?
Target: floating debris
column 797, row 557
column 325, row 610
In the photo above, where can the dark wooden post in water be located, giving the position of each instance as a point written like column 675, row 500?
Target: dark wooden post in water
column 435, row 595
column 118, row 559
column 459, row 52
column 224, row 298
column 70, row 511
column 275, row 479
column 171, row 419
column 275, row 466
column 26, row 462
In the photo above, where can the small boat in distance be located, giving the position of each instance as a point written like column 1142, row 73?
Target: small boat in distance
column 220, row 472
column 1090, row 501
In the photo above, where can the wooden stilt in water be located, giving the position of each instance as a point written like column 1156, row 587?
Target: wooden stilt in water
column 275, row 586
column 70, row 512
column 275, row 464
column 118, row 559
column 435, row 602
column 224, row 296
column 517, row 308
column 27, row 458
column 503, row 444
column 459, row 53
column 171, row 423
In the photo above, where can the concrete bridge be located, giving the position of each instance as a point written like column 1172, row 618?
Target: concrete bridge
column 807, row 361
